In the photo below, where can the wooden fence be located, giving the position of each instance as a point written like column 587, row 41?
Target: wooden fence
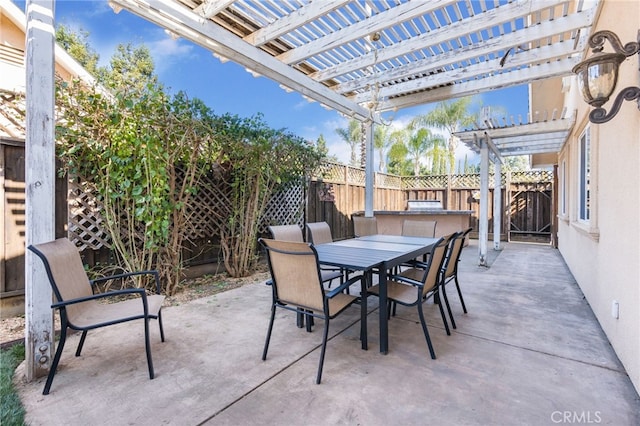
column 332, row 195
column 528, row 195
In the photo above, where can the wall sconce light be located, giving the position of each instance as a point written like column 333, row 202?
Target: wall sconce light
column 598, row 75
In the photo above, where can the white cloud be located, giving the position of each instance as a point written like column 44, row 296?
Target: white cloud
column 166, row 52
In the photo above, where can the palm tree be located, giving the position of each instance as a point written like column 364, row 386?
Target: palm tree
column 382, row 143
column 419, row 143
column 352, row 135
column 450, row 116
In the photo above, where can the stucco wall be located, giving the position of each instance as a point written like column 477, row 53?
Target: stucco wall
column 604, row 255
column 12, row 37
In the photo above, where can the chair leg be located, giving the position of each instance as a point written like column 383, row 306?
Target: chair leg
column 147, row 346
column 266, row 343
column 446, row 302
column 310, row 322
column 81, row 343
column 426, row 332
column 160, row 325
column 299, row 318
column 444, row 318
column 325, row 335
column 56, row 359
column 464, row 308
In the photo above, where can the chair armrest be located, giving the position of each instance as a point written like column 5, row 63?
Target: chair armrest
column 406, row 280
column 139, row 291
column 419, row 264
column 130, row 274
column 343, row 286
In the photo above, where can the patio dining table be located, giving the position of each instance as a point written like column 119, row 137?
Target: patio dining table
column 368, row 254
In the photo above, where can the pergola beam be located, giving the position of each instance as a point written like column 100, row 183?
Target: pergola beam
column 398, row 14
column 471, row 54
column 458, row 73
column 493, row 17
column 559, row 68
column 210, row 7
column 304, row 15
column 467, row 73
column 187, row 24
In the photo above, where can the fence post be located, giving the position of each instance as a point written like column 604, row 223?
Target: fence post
column 447, row 193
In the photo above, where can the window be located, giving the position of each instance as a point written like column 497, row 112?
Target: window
column 585, row 176
column 563, row 188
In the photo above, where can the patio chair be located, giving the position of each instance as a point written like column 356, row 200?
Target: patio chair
column 414, row 286
column 450, row 267
column 419, row 228
column 297, row 285
column 320, row 233
column 294, row 233
column 364, row 226
column 80, row 309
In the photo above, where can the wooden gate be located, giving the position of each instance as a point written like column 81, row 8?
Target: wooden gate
column 530, row 206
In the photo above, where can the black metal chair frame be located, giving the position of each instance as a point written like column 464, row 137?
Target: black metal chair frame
column 420, row 298
column 65, row 323
column 455, row 258
column 328, row 294
column 285, row 233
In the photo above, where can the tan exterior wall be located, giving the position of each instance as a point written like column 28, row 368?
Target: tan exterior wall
column 546, row 96
column 12, row 45
column 603, row 253
column 11, row 53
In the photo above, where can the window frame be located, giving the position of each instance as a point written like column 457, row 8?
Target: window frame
column 585, row 171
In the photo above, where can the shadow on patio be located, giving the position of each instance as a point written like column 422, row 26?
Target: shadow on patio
column 528, row 352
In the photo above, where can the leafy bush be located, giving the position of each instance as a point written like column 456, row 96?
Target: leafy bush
column 143, row 155
column 146, row 154
column 260, row 160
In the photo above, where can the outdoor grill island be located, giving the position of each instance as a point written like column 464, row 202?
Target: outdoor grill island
column 390, row 221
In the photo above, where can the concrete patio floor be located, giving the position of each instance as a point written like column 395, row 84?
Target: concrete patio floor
column 528, row 352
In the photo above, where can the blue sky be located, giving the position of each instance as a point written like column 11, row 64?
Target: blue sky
column 228, row 88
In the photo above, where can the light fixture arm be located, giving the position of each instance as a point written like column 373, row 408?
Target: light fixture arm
column 596, row 42
column 600, row 115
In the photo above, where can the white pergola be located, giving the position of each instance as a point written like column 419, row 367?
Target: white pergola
column 495, row 142
column 361, row 58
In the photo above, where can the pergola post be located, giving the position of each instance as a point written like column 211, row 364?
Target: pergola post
column 483, row 225
column 368, row 169
column 39, row 182
column 497, row 204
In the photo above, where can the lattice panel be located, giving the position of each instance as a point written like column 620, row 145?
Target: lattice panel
column 330, row 172
column 416, row 182
column 355, row 176
column 532, row 176
column 388, row 181
column 85, row 219
column 466, row 181
column 208, row 208
column 285, row 208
